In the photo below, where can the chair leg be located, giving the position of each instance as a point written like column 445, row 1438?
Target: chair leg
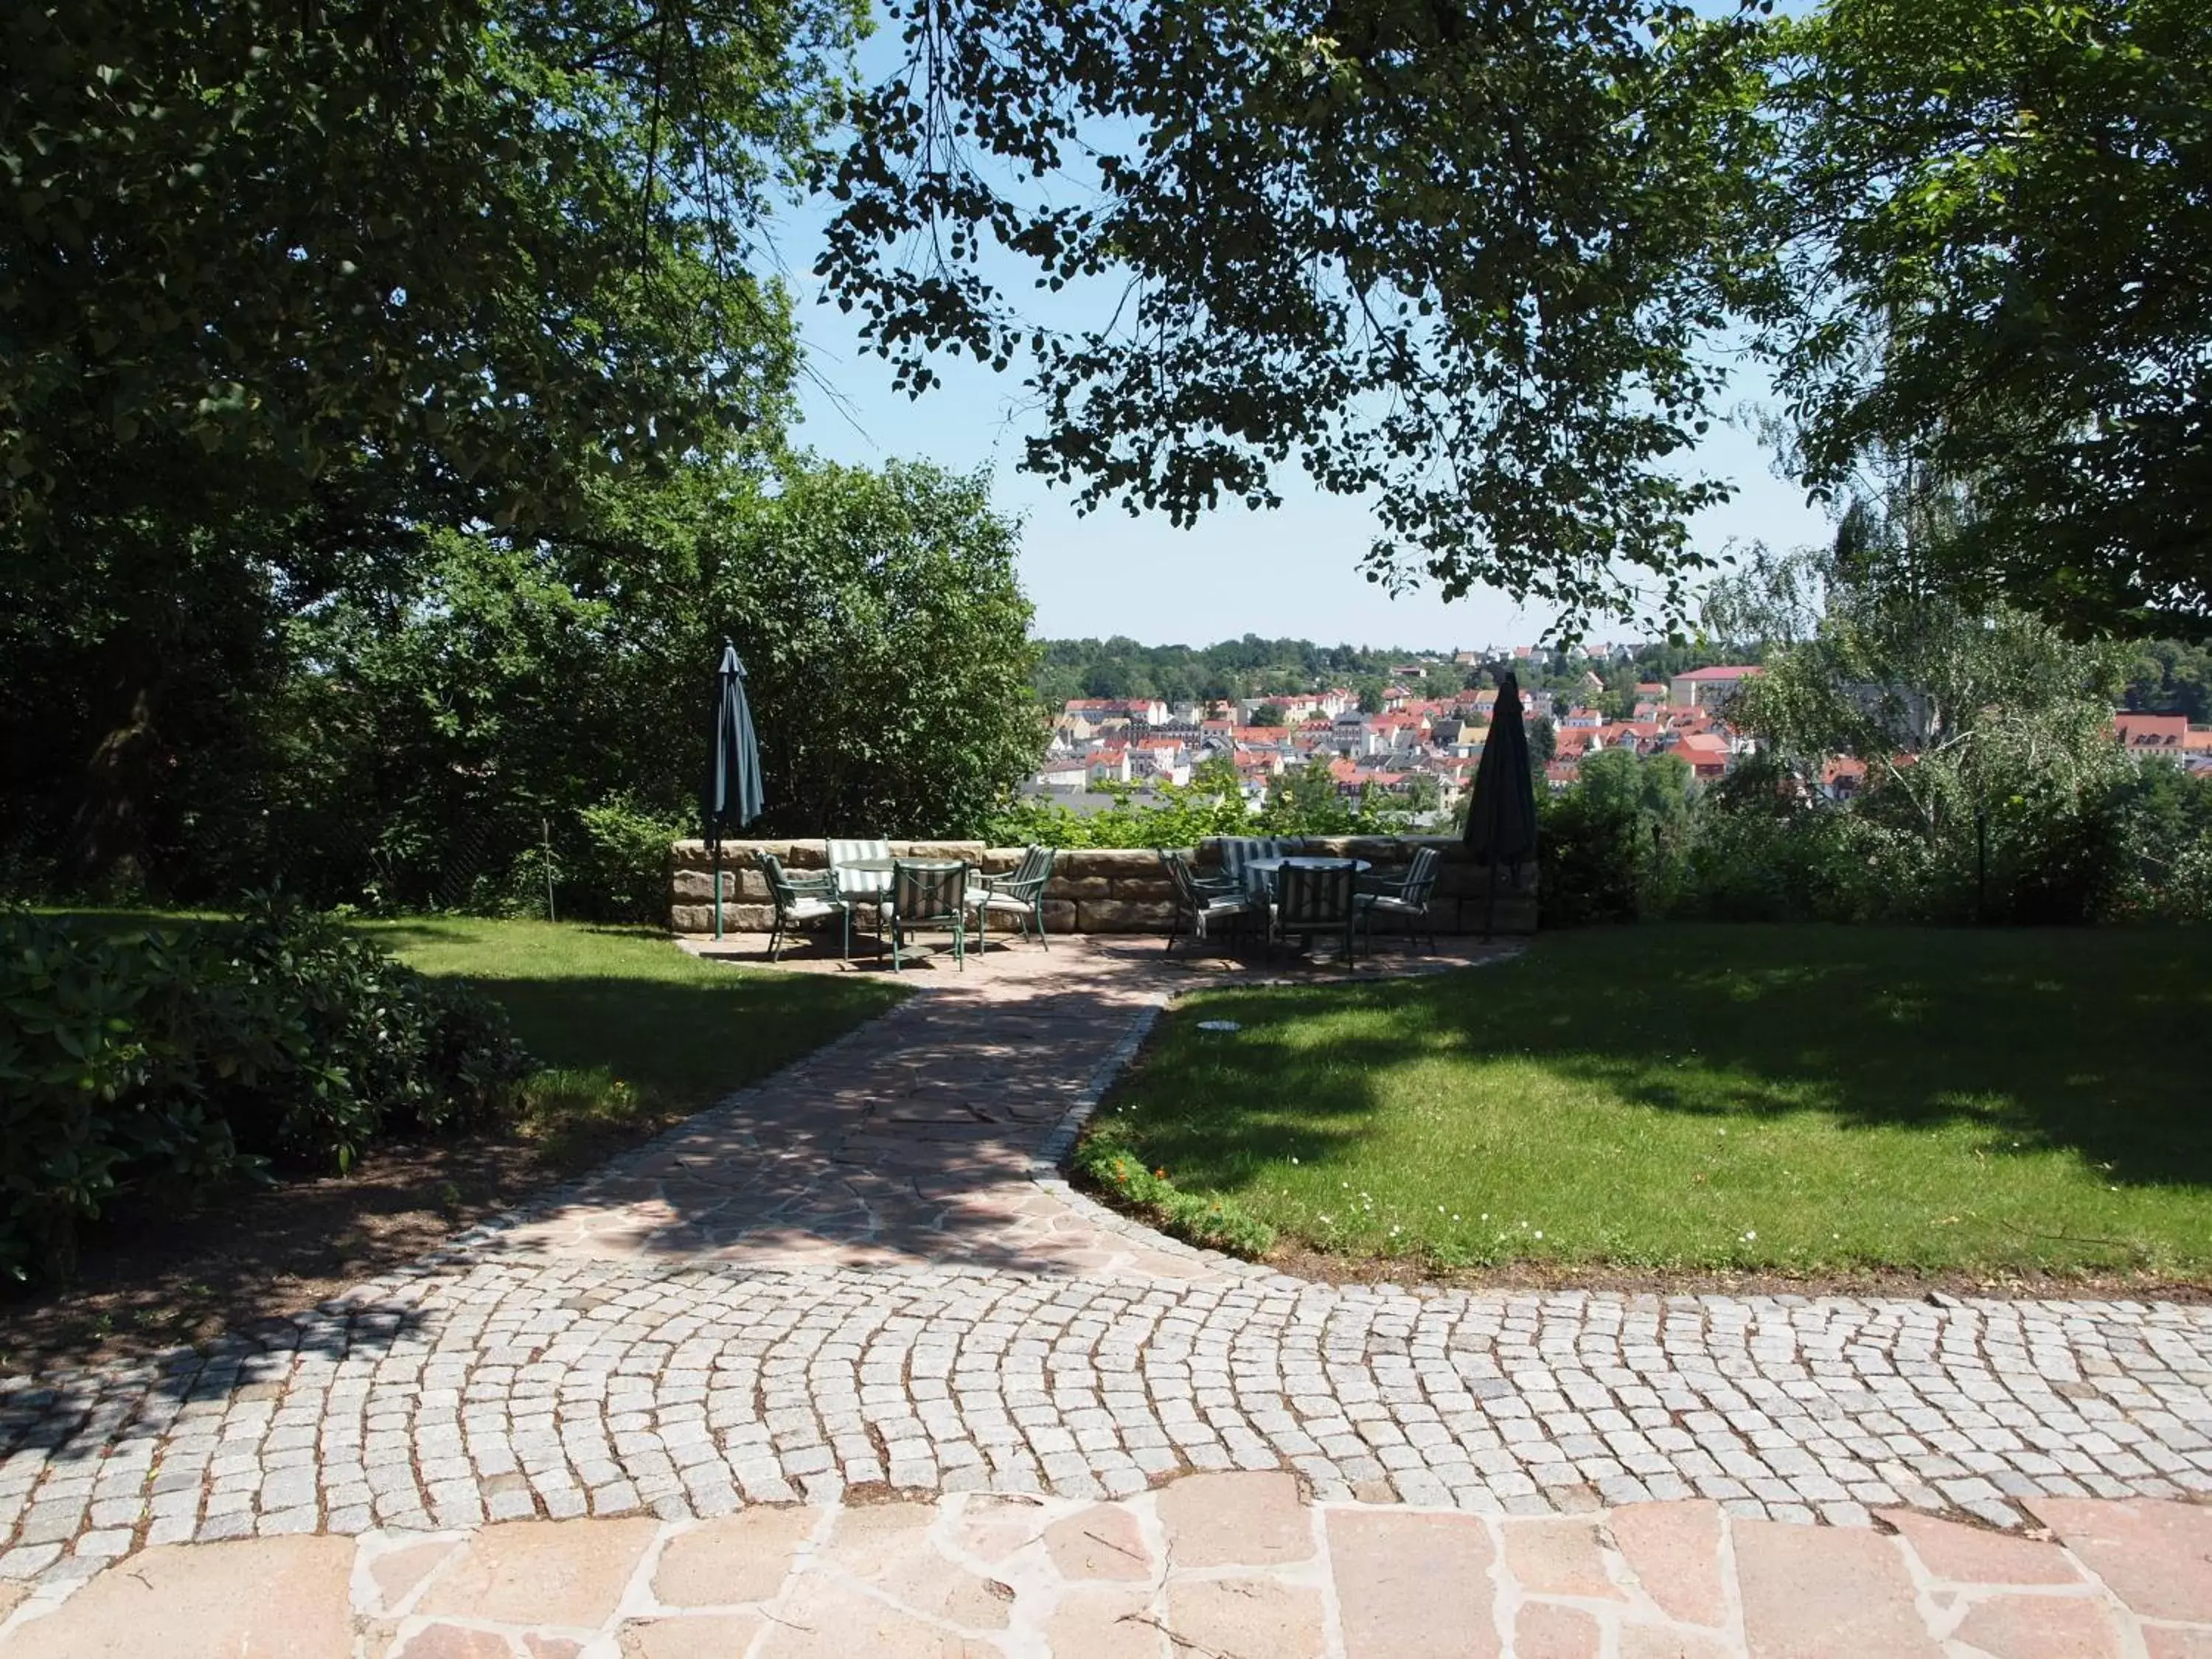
column 775, row 941
column 1043, row 943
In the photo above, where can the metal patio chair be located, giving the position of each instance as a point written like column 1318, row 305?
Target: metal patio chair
column 806, row 898
column 1311, row 900
column 929, row 895
column 1203, row 905
column 1407, row 899
column 1018, row 893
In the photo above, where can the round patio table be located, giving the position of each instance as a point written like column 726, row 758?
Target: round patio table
column 1264, row 869
column 1308, row 862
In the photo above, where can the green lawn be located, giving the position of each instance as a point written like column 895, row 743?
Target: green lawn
column 1792, row 1099
column 630, row 1026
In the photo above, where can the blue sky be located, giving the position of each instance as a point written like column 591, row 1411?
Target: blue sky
column 1293, row 571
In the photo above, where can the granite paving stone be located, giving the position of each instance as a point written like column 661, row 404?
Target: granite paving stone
column 864, row 1279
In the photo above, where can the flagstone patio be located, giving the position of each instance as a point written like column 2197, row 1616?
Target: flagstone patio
column 832, row 1366
column 1223, row 1566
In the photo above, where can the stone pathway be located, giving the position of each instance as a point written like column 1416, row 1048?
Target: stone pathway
column 1212, row 1566
column 863, row 1280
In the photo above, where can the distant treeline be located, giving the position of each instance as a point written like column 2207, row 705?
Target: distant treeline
column 2167, row 677
column 1256, row 667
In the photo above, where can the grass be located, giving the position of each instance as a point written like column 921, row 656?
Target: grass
column 632, row 1031
column 1802, row 1101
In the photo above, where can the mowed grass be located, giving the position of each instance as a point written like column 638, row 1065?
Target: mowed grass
column 1786, row 1099
column 633, row 1032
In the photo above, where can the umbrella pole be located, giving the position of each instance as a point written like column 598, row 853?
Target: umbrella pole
column 718, row 894
column 1489, row 901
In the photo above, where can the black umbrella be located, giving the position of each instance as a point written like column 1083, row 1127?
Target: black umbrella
column 1501, row 818
column 731, row 799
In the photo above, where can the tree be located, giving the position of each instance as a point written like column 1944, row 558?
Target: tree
column 408, row 746
column 1999, row 220
column 229, row 274
column 1270, row 713
column 290, row 288
column 1986, row 734
column 1460, row 260
column 1543, row 744
column 1306, row 796
column 887, row 640
column 1217, row 776
column 2171, row 677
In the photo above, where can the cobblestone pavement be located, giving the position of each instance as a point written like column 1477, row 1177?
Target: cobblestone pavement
column 1218, row 1566
column 863, row 1278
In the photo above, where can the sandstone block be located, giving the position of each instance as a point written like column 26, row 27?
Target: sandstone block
column 1103, row 1542
column 738, row 1557
column 1827, row 1593
column 2157, row 1556
column 1412, row 1586
column 1124, row 916
column 1146, row 889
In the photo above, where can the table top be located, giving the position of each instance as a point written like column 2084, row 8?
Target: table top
column 885, row 867
column 1311, row 861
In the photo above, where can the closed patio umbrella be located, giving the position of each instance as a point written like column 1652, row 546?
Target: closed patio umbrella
column 731, row 799
column 1501, row 817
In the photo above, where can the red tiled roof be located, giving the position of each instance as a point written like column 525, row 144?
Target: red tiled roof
column 2151, row 730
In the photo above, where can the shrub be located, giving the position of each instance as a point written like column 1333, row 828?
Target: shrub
column 620, row 872
column 1589, row 854
column 144, row 1073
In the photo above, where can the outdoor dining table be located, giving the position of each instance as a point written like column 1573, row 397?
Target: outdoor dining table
column 1267, row 867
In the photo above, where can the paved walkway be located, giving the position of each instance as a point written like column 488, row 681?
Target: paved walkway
column 1212, row 1566
column 862, row 1279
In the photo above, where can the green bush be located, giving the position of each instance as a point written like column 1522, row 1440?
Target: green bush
column 620, row 872
column 1590, row 859
column 144, row 1073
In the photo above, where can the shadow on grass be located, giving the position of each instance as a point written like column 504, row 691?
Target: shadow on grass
column 2075, row 1040
column 692, row 1041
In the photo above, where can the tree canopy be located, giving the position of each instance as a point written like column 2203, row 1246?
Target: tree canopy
column 1999, row 217
column 1461, row 262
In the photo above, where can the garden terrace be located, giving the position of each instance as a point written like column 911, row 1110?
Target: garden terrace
column 1093, row 890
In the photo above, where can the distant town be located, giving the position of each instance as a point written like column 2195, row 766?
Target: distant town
column 1411, row 734
column 1414, row 739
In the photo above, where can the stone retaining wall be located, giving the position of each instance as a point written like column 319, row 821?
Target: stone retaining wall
column 1092, row 892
